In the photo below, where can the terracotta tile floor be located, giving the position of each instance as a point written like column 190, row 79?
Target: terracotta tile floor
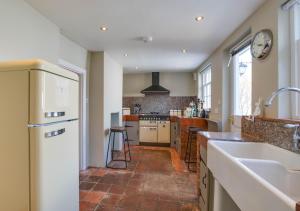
column 156, row 179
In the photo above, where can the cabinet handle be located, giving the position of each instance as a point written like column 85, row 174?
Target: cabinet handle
column 54, row 114
column 55, row 133
column 203, row 180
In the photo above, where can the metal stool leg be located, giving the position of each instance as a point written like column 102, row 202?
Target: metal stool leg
column 108, row 149
column 190, row 152
column 128, row 146
column 113, row 147
column 124, row 145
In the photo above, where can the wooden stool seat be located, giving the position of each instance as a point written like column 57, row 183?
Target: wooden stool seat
column 118, row 129
column 194, row 130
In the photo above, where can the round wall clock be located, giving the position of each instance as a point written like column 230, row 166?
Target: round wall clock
column 262, row 44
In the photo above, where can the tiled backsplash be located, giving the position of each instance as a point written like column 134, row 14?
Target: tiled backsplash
column 270, row 130
column 158, row 103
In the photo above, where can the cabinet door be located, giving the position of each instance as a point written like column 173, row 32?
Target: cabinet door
column 173, row 134
column 203, row 154
column 163, row 132
column 133, row 132
column 204, row 183
column 148, row 134
column 202, row 204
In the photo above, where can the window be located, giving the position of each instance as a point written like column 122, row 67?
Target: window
column 242, row 82
column 204, row 92
column 295, row 54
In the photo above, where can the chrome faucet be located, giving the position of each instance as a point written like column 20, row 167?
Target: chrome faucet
column 274, row 94
column 296, row 137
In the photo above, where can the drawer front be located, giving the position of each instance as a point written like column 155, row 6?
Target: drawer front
column 52, row 98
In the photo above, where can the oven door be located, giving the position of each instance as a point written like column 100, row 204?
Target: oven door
column 148, row 134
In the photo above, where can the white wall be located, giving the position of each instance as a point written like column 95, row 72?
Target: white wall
column 72, row 52
column 266, row 77
column 96, row 109
column 179, row 84
column 26, row 34
column 106, row 78
column 112, row 98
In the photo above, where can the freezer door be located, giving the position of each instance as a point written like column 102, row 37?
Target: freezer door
column 54, row 161
column 52, row 98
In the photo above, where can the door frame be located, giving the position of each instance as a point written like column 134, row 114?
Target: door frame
column 83, row 142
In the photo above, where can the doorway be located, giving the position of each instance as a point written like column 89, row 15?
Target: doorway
column 83, row 100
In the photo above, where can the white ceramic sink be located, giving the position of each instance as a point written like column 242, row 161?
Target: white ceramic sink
column 262, row 151
column 277, row 175
column 258, row 176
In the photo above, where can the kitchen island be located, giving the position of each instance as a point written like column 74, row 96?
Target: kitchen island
column 179, row 133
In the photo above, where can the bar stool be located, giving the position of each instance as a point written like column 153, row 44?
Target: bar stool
column 125, row 141
column 192, row 134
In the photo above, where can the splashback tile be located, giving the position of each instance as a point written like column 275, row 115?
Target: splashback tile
column 270, row 130
column 158, row 103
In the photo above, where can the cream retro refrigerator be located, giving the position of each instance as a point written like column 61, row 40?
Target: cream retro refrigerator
column 39, row 149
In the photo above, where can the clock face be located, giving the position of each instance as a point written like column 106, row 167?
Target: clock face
column 262, row 44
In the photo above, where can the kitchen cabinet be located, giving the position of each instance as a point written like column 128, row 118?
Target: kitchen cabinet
column 183, row 126
column 174, row 134
column 133, row 132
column 163, row 134
column 204, row 177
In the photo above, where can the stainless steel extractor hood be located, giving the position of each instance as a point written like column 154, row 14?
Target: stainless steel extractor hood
column 155, row 88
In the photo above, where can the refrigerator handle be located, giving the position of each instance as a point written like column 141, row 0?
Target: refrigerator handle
column 54, row 114
column 55, row 133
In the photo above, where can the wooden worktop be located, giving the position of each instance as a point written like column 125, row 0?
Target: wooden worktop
column 131, row 118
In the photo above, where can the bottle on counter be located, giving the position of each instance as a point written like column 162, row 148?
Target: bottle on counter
column 200, row 108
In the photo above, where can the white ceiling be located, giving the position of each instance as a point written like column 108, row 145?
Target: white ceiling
column 171, row 23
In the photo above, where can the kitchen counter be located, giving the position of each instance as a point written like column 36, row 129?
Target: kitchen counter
column 131, row 118
column 177, row 118
column 183, row 123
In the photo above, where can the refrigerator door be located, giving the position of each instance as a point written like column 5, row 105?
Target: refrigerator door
column 53, row 98
column 54, row 161
column 14, row 141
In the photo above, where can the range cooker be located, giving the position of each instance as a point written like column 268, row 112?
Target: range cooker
column 155, row 128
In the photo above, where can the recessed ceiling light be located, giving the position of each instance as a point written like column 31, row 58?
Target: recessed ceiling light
column 125, row 54
column 103, row 28
column 183, row 50
column 199, row 18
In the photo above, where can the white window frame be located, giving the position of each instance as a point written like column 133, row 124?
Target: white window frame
column 236, row 92
column 201, row 86
column 295, row 54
